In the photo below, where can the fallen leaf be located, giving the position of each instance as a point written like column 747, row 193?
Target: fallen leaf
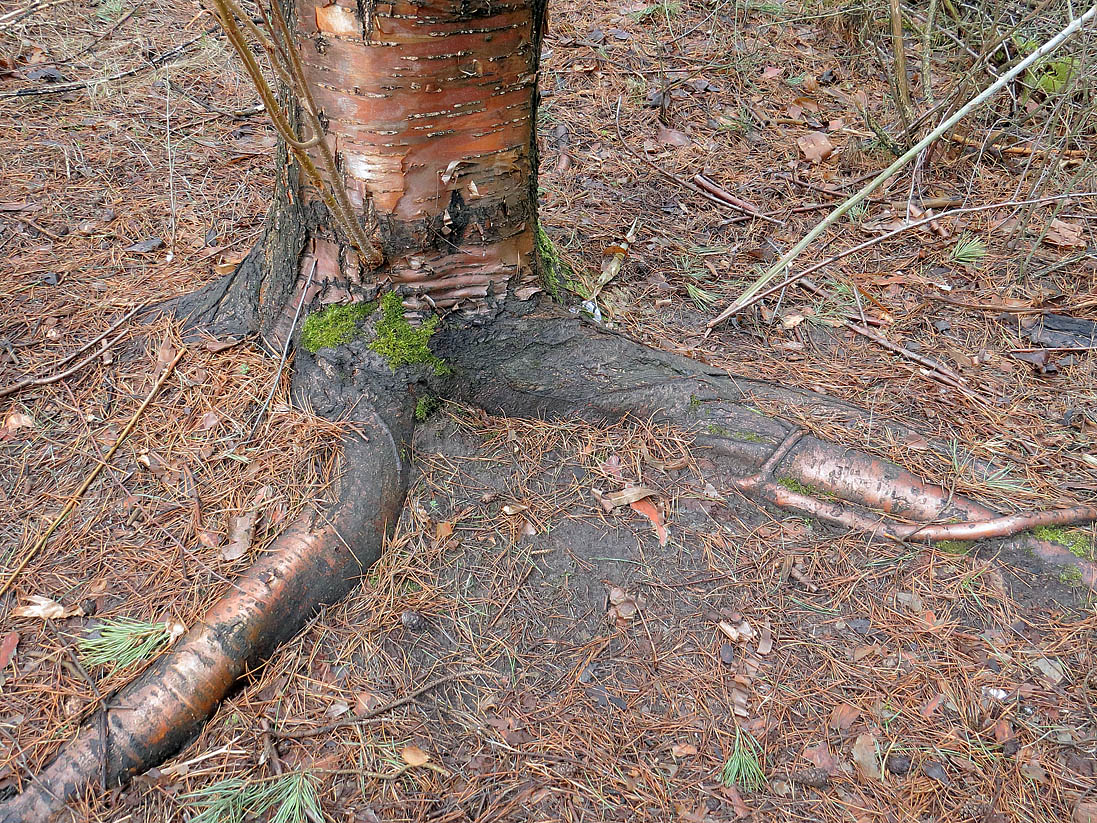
column 145, row 246
column 625, row 497
column 414, row 756
column 1085, row 812
column 209, row 421
column 1034, row 771
column 765, row 642
column 1064, row 235
column 443, row 531
column 866, row 757
column 933, row 705
column 7, row 648
column 648, row 510
column 1052, row 670
column 820, row 756
column 678, row 749
column 45, row 609
column 842, row 716
column 514, row 508
column 815, row 146
column 242, row 531
column 936, row 771
column 366, row 702
column 771, row 73
column 338, row 708
column 672, row 137
column 741, row 809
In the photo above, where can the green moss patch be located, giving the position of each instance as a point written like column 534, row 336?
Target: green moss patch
column 555, row 273
column 401, row 343
column 425, row 406
column 333, row 326
column 1071, row 576
column 953, row 546
column 1078, row 542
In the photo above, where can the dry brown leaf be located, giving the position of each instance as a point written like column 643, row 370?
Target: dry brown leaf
column 648, row 510
column 242, row 531
column 683, row 750
column 765, row 642
column 626, row 497
column 672, row 137
column 1085, row 812
column 867, row 757
column 815, row 146
column 414, row 756
column 443, row 531
column 7, row 648
column 842, row 716
column 1064, row 235
column 16, row 421
column 45, row 609
column 820, row 756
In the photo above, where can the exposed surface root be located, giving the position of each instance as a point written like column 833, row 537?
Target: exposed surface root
column 556, row 365
column 315, row 562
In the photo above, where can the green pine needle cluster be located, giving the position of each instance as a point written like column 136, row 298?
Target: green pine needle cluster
column 744, row 768
column 399, row 342
column 292, row 797
column 122, row 642
column 969, row 250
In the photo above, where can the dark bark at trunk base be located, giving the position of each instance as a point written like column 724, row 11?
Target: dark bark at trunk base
column 541, row 363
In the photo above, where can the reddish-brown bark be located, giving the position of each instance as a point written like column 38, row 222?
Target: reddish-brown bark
column 429, row 110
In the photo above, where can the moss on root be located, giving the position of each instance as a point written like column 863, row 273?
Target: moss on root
column 401, row 343
column 555, row 273
column 333, row 326
column 1078, row 542
column 425, row 406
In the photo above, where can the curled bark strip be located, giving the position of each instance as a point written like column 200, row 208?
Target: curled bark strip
column 315, row 562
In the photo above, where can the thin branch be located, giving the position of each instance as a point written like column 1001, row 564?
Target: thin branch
column 94, row 473
column 788, row 257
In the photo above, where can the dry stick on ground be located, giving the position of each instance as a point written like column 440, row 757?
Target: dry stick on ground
column 94, row 473
column 683, row 182
column 53, row 378
column 374, row 713
column 90, row 84
column 786, row 259
column 792, row 278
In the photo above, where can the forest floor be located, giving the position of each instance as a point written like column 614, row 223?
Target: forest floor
column 594, row 673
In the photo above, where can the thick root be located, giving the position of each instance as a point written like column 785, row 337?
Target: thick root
column 315, row 562
column 547, row 363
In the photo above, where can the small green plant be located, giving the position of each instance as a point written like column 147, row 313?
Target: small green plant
column 744, row 768
column 402, row 344
column 969, row 250
column 334, row 325
column 1077, row 541
column 425, row 406
column 291, row 796
column 122, row 642
column 110, row 10
column 794, row 485
column 1071, row 576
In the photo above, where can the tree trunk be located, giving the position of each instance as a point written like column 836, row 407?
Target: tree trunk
column 429, row 109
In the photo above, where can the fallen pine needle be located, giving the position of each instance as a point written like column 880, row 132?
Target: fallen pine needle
column 94, row 473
